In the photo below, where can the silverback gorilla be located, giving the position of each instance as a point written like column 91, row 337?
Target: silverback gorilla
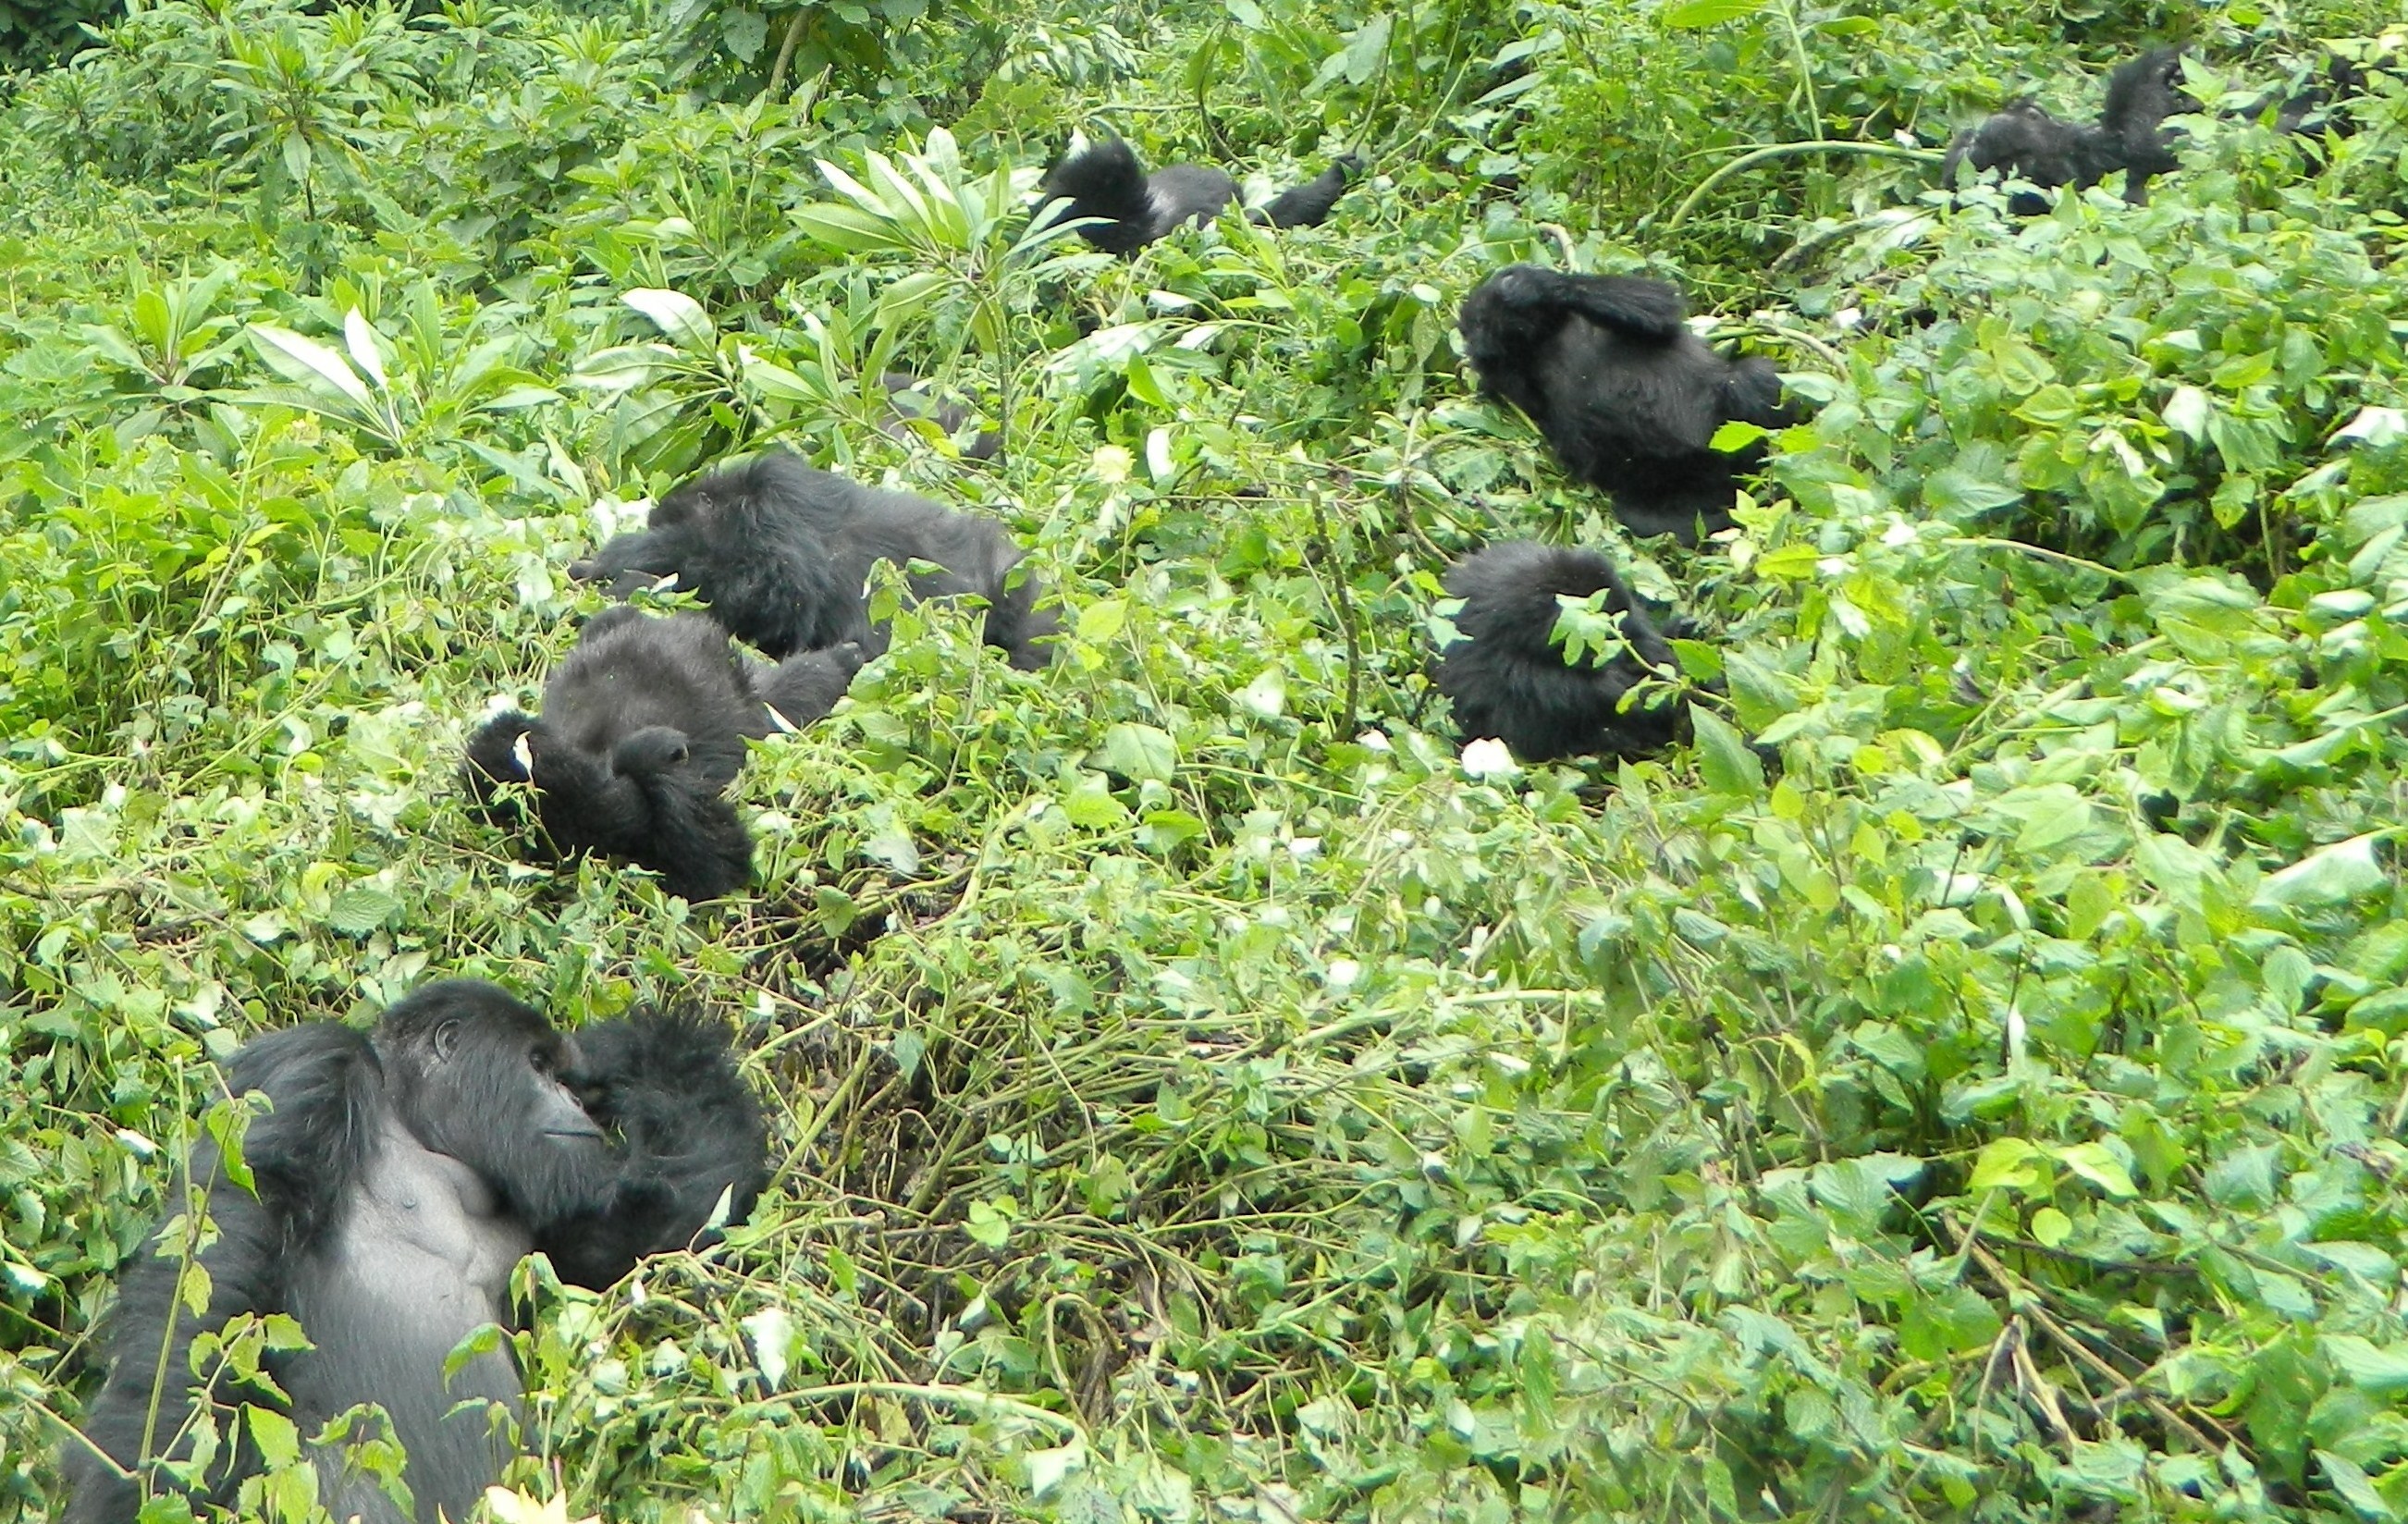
column 1105, row 180
column 1506, row 677
column 1627, row 397
column 782, row 552
column 397, row 1179
column 2028, row 142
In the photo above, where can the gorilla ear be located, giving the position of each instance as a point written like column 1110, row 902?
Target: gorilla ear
column 445, row 1041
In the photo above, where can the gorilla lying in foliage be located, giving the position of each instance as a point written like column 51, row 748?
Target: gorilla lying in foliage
column 2025, row 142
column 643, row 729
column 1507, row 676
column 1105, row 180
column 781, row 554
column 396, row 1181
column 1624, row 392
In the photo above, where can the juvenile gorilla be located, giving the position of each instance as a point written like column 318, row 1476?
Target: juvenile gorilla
column 398, row 1178
column 1508, row 679
column 2028, row 142
column 1627, row 397
column 1105, row 180
column 666, row 1083
column 781, row 554
column 642, row 730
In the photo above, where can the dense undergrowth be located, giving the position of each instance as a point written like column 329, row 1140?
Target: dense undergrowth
column 1965, row 1084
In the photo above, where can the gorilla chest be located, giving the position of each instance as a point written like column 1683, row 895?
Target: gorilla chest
column 423, row 1259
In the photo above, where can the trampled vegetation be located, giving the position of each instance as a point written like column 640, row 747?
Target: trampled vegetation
column 1963, row 1081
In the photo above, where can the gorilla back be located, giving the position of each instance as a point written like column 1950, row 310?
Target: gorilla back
column 781, row 552
column 1508, row 679
column 1625, row 394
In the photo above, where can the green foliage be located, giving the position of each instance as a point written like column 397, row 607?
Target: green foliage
column 1963, row 1083
column 37, row 33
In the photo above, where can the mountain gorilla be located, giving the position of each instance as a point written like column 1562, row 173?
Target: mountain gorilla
column 1624, row 392
column 396, row 1181
column 781, row 554
column 643, row 730
column 1507, row 676
column 664, row 1083
column 2028, row 142
column 1105, row 180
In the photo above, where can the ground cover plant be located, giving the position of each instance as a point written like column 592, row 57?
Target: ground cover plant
column 1963, row 1079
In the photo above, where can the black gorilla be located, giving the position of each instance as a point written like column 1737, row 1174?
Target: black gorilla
column 642, row 730
column 908, row 397
column 1508, row 679
column 1105, row 180
column 689, row 1127
column 781, row 554
column 1626, row 394
column 2028, row 142
column 397, row 1180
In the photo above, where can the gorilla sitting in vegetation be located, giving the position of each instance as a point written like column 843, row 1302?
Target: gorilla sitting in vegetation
column 643, row 730
column 391, row 1189
column 1104, row 180
column 2025, row 141
column 781, row 554
column 1507, row 675
column 1627, row 397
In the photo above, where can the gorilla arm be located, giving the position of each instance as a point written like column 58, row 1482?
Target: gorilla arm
column 304, row 1156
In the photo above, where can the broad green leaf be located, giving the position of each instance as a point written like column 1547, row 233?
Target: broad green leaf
column 1691, row 14
column 2342, row 871
column 1724, row 763
column 675, row 315
column 305, row 360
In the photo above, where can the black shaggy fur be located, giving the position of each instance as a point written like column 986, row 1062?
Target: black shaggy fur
column 804, row 688
column 1105, row 180
column 781, row 554
column 2028, row 142
column 396, row 1180
column 1624, row 392
column 642, row 730
column 1508, row 679
column 665, row 1083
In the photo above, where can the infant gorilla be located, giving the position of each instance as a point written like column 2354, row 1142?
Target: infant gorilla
column 781, row 554
column 642, row 730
